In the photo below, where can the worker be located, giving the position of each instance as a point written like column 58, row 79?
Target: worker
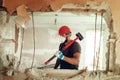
column 68, row 58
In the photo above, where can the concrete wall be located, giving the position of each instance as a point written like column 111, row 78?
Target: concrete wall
column 46, row 39
column 115, row 28
column 116, row 18
column 7, row 32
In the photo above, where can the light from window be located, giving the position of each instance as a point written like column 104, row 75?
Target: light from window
column 92, row 50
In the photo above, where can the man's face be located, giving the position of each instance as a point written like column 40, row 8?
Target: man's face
column 64, row 37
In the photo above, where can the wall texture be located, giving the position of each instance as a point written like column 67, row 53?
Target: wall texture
column 114, row 36
column 116, row 18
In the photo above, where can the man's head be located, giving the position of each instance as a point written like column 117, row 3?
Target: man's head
column 64, row 30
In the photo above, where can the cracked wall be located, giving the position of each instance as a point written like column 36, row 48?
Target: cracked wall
column 112, row 19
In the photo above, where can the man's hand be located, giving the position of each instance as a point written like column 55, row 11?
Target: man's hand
column 59, row 54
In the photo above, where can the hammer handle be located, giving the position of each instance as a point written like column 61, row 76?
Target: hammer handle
column 70, row 43
column 50, row 59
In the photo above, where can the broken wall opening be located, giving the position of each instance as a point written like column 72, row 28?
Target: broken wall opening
column 50, row 39
column 111, row 37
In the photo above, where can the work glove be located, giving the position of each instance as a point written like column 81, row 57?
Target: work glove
column 59, row 54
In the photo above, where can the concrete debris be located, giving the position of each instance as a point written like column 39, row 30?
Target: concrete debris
column 22, row 12
column 20, row 21
column 19, row 76
column 51, row 74
column 10, row 72
column 8, row 64
column 38, row 74
column 1, row 67
column 112, row 78
column 117, row 69
column 6, row 31
column 112, row 42
column 24, row 64
column 1, row 18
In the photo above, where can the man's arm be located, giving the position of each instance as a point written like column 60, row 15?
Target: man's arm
column 75, row 60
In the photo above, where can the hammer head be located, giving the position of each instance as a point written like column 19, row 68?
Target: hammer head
column 80, row 36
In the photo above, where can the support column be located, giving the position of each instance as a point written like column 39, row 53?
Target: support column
column 112, row 42
column 111, row 52
column 1, row 63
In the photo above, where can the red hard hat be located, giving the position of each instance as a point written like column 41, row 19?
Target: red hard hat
column 64, row 30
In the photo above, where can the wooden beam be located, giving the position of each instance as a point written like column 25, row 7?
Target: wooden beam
column 16, row 37
column 83, row 10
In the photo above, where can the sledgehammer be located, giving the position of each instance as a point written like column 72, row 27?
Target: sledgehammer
column 79, row 36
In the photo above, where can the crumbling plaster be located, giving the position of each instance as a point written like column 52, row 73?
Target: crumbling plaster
column 112, row 19
column 115, row 29
column 116, row 26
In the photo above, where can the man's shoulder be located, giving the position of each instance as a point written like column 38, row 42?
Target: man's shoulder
column 76, row 43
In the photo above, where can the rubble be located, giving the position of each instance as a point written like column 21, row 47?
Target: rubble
column 52, row 74
column 8, row 62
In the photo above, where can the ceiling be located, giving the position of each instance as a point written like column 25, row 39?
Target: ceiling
column 56, row 12
column 46, row 5
column 61, row 18
column 53, row 10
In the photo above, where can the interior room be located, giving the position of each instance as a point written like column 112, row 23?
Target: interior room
column 29, row 38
